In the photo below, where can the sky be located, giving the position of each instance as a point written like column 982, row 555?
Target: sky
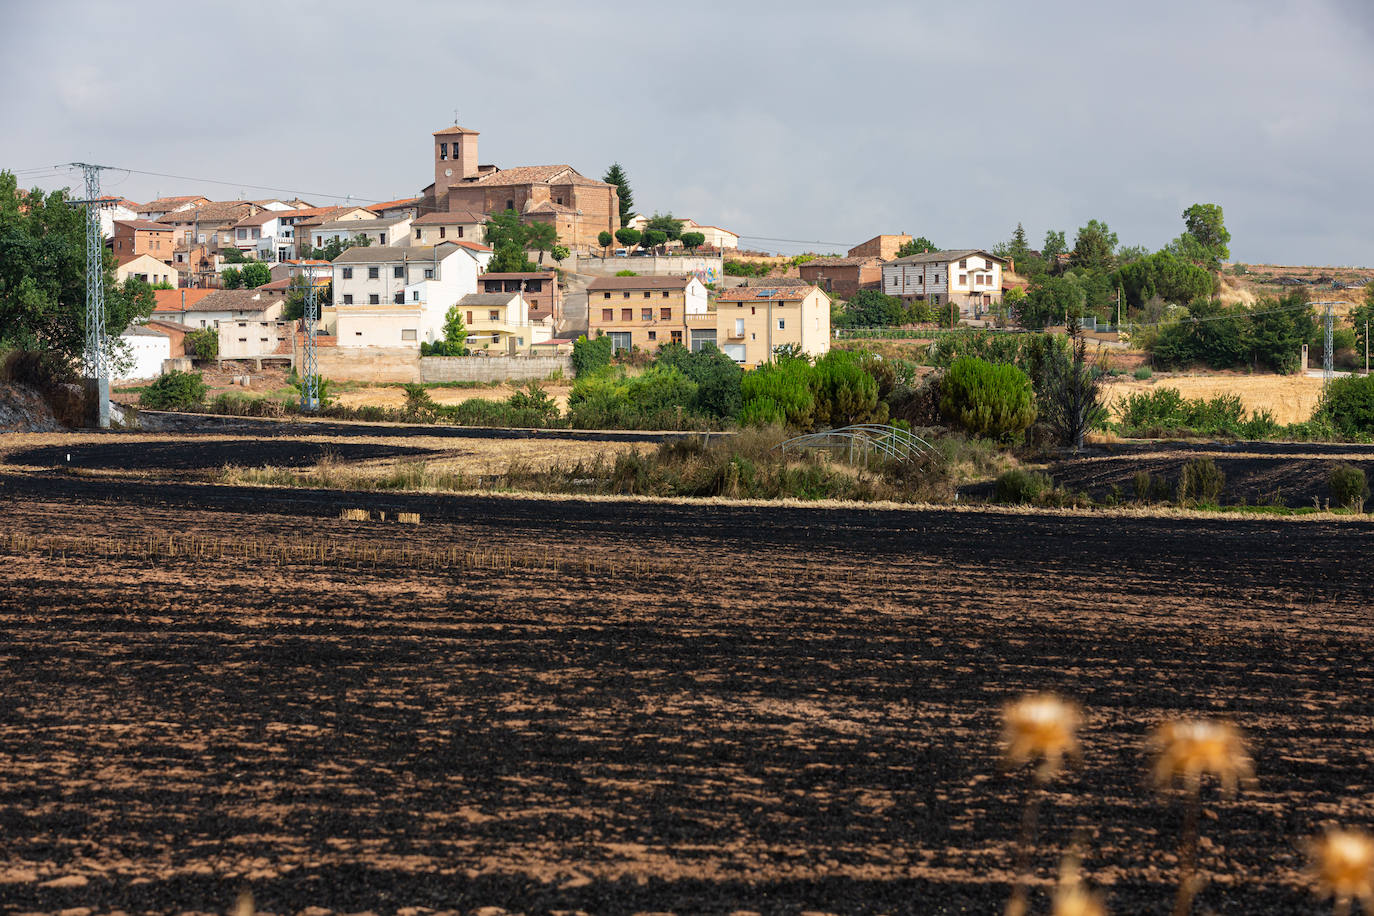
column 801, row 121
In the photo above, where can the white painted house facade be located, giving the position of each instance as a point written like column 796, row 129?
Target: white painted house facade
column 398, row 297
column 970, row 278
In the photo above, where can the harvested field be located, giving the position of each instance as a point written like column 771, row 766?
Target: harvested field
column 395, row 396
column 1292, row 398
column 623, row 707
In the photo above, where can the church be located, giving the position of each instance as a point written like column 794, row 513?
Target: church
column 580, row 208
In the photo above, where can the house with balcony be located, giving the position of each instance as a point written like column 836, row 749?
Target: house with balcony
column 390, row 296
column 644, row 312
column 503, row 323
column 539, row 287
column 299, row 224
column 264, row 236
column 753, row 321
column 969, row 278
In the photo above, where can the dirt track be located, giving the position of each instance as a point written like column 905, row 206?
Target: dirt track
column 696, row 709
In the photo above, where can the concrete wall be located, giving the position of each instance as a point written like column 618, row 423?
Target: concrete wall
column 492, row 368
column 404, row 364
column 705, row 269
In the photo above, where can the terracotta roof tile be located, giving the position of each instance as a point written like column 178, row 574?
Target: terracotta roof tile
column 391, row 204
column 169, row 300
column 632, row 283
column 142, row 224
column 450, row 218
column 764, row 293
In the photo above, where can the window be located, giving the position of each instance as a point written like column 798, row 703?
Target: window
column 460, row 232
column 666, row 313
column 399, row 298
column 243, row 340
column 441, row 232
column 646, row 314
column 494, row 314
column 243, row 233
column 348, row 298
column 469, row 317
column 263, row 339
column 374, row 299
column 510, row 205
column 429, row 273
column 608, row 314
column 407, row 333
column 646, row 295
column 963, row 265
column 357, row 333
column 935, row 299
column 963, row 279
column 782, row 324
column 627, row 314
column 381, row 238
column 443, row 151
column 417, row 233
column 534, row 286
column 739, row 327
column 243, row 324
column 653, row 335
column 625, row 295
column 665, row 294
column 414, row 295
column 677, row 337
column 620, row 340
column 605, row 295
column 398, row 272
column 373, row 273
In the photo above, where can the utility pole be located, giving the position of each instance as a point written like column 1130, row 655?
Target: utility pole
column 310, row 379
column 1328, row 352
column 96, row 357
column 1366, row 346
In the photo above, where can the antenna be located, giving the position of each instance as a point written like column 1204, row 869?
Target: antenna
column 455, row 117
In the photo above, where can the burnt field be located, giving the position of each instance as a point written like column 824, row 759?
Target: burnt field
column 622, row 707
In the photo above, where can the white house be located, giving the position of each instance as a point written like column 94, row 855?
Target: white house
column 393, row 232
column 263, row 236
column 231, row 305
column 112, row 209
column 971, row 278
column 147, row 349
column 389, row 296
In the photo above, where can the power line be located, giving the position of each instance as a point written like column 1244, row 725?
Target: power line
column 53, row 171
column 764, row 238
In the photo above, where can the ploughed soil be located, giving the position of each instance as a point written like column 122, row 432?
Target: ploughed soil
column 1280, row 473
column 626, row 707
column 199, row 454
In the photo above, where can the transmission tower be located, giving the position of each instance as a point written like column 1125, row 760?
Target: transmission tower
column 1328, row 350
column 310, row 378
column 97, row 361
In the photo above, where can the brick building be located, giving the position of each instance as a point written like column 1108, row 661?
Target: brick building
column 539, row 287
column 843, row 277
column 880, row 246
column 578, row 207
column 140, row 236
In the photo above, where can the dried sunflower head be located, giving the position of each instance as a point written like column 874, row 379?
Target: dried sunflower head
column 1343, row 865
column 1040, row 727
column 1188, row 749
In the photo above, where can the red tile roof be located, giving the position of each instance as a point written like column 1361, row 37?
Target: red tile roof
column 758, row 293
column 390, row 204
column 169, row 300
column 142, row 224
column 621, row 283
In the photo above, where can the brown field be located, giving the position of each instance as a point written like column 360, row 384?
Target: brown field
column 629, row 707
column 1291, row 398
column 396, row 396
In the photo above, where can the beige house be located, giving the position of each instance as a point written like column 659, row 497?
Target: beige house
column 502, row 323
column 752, row 322
column 969, row 278
column 644, row 312
column 146, row 268
column 448, row 226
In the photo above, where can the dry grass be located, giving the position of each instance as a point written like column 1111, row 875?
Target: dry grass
column 1291, row 398
column 396, row 397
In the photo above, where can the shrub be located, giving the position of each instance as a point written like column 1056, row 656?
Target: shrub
column 1348, row 403
column 1201, row 482
column 590, row 356
column 1143, row 373
column 845, row 392
column 174, row 391
column 778, row 394
column 1348, row 484
column 443, row 348
column 1022, row 486
column 986, row 399
column 626, row 273
column 203, row 343
column 716, row 375
column 419, row 405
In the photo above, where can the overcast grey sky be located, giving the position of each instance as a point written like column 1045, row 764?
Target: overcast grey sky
column 794, row 120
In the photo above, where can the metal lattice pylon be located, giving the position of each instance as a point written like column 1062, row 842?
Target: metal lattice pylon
column 310, row 378
column 96, row 355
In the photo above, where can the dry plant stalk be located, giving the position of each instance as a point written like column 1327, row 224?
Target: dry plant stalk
column 1039, row 727
column 1071, row 898
column 244, row 905
column 1186, row 750
column 354, row 515
column 408, row 518
column 1343, row 868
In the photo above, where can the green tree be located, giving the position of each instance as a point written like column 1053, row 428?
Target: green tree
column 1053, row 247
column 232, row 255
column 540, row 237
column 916, row 246
column 1164, row 275
column 590, row 356
column 604, row 239
column 628, row 237
column 1070, row 391
column 653, row 238
column 778, row 392
column 1205, row 235
column 1093, row 246
column 1362, row 319
column 230, row 278
column 716, row 375
column 665, row 223
column 693, row 240
column 1348, row 403
column 1050, row 300
column 1210, row 333
column 294, row 309
column 174, row 391
column 845, row 392
column 337, row 246
column 616, row 175
column 255, row 274
column 508, row 239
column 559, row 253
column 994, row 400
column 1278, row 329
column 869, row 308
column 455, row 332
